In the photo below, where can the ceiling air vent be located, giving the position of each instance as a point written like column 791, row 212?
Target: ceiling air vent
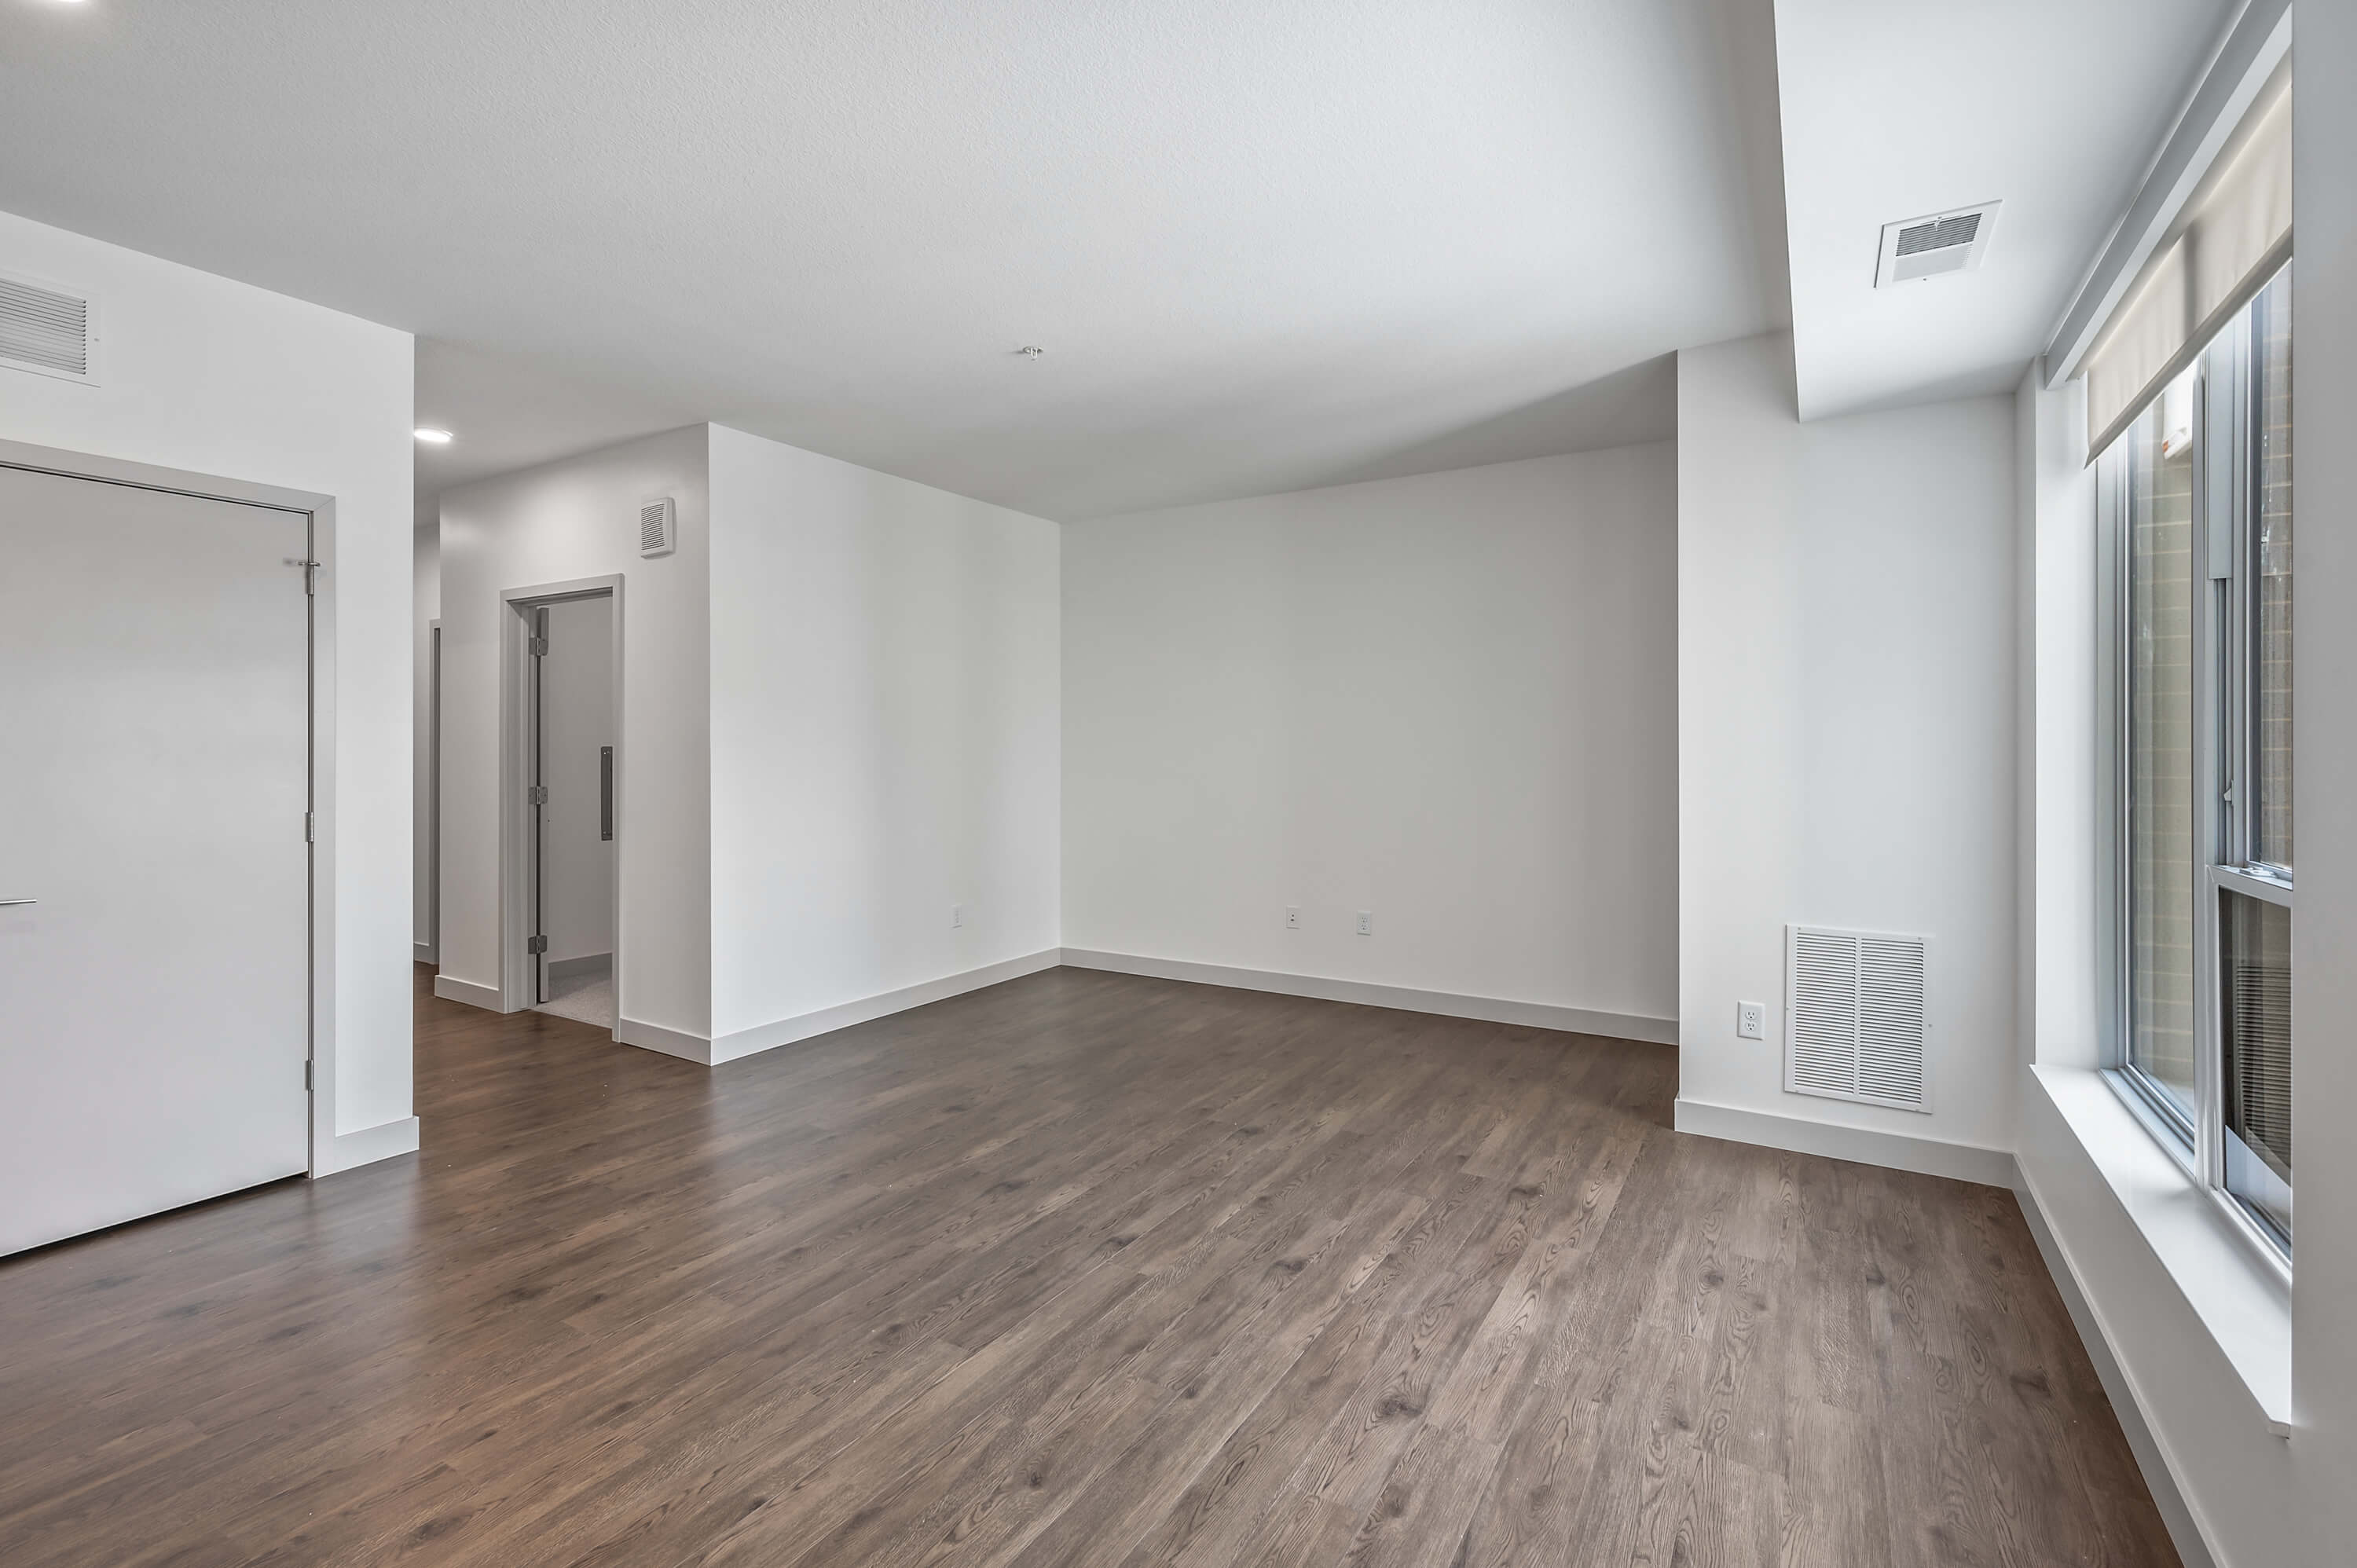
column 48, row 330
column 1856, row 1015
column 1935, row 246
column 658, row 527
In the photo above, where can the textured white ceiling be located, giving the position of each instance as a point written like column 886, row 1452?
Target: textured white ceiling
column 1896, row 110
column 1266, row 243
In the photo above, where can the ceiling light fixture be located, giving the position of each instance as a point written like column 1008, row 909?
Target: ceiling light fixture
column 1030, row 350
column 432, row 436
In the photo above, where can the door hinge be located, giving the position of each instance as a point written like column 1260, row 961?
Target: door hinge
column 311, row 573
column 539, row 648
column 535, row 945
column 537, row 795
column 310, row 827
column 307, row 1075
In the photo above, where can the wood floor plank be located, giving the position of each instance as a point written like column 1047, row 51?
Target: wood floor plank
column 1084, row 1269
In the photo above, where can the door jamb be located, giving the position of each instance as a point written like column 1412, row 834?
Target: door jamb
column 320, row 786
column 431, row 850
column 516, row 993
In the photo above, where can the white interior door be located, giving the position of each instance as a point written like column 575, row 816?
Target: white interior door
column 153, row 766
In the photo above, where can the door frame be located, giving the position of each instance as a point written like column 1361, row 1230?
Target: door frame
column 321, row 670
column 517, row 848
column 429, row 853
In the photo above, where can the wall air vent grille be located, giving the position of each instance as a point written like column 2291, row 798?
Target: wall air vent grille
column 1934, row 246
column 46, row 329
column 1857, row 1015
column 658, row 527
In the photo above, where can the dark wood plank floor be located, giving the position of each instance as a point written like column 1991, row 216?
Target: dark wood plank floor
column 1085, row 1270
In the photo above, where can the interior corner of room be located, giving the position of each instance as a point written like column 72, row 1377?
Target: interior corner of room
column 1197, row 804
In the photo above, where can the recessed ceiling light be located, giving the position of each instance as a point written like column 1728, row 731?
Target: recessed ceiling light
column 432, row 436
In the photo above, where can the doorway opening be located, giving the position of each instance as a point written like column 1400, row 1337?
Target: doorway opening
column 562, row 887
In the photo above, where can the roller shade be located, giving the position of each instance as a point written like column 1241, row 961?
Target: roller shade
column 2236, row 233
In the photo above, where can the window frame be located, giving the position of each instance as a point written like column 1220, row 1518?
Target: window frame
column 2227, row 420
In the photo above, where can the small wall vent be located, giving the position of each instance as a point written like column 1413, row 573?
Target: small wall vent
column 658, row 527
column 1934, row 246
column 1856, row 1015
column 46, row 329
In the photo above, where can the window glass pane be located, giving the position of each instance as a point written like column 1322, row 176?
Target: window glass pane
column 2254, row 1025
column 2271, row 658
column 2159, row 476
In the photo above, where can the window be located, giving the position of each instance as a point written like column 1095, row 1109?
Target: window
column 2197, row 489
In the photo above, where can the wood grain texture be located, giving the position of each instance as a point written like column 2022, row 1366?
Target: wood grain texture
column 1084, row 1269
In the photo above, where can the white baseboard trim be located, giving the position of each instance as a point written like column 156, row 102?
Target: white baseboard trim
column 2153, row 1457
column 670, row 1042
column 450, row 988
column 1864, row 1146
column 1404, row 998
column 367, row 1146
column 786, row 1031
column 426, row 954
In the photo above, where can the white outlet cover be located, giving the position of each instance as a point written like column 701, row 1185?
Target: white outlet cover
column 1366, row 923
column 1750, row 1020
column 1292, row 916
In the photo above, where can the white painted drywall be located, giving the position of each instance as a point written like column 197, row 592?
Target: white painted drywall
column 2062, row 831
column 426, row 604
column 221, row 378
column 576, row 717
column 1846, row 714
column 1448, row 700
column 885, row 733
column 2063, row 145
column 2324, row 933
column 558, row 524
column 1264, row 245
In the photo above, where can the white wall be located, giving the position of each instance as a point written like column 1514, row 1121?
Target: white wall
column 577, row 718
column 2324, row 978
column 1846, row 711
column 561, row 522
column 2065, row 852
column 1448, row 700
column 885, row 736
column 426, row 604
column 221, row 379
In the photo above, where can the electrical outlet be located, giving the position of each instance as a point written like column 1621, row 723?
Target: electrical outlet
column 1292, row 916
column 957, row 915
column 1366, row 922
column 1752, row 1020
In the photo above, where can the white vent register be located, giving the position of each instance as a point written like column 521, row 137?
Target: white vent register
column 1934, row 245
column 48, row 329
column 658, row 527
column 1856, row 1015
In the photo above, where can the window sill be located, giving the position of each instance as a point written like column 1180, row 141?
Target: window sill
column 2244, row 1304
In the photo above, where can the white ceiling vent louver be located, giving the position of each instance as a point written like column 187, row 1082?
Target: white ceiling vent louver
column 1935, row 246
column 658, row 527
column 1856, row 1015
column 46, row 329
